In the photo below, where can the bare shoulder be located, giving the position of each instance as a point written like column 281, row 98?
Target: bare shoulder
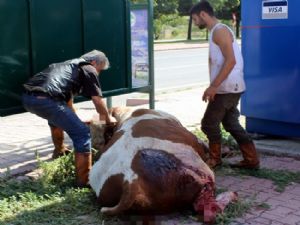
column 222, row 35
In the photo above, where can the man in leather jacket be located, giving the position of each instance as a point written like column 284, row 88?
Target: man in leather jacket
column 49, row 94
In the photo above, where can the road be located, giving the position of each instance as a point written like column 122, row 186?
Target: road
column 180, row 68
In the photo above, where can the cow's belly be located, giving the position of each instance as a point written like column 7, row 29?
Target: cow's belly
column 165, row 181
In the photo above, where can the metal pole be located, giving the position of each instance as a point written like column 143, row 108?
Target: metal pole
column 109, row 102
column 151, row 55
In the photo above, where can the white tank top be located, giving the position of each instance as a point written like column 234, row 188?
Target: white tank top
column 234, row 83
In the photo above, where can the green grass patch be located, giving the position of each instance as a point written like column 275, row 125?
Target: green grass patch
column 51, row 199
column 263, row 205
column 281, row 178
column 227, row 139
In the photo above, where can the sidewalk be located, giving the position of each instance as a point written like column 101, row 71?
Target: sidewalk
column 161, row 46
column 173, row 45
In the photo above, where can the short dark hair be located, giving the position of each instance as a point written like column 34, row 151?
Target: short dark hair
column 202, row 6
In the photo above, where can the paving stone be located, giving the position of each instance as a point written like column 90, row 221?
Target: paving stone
column 276, row 223
column 263, row 196
column 295, row 191
column 291, row 220
column 284, row 197
column 281, row 211
column 272, row 217
column 261, row 220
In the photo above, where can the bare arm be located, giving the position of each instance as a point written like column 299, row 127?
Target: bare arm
column 223, row 38
column 102, row 109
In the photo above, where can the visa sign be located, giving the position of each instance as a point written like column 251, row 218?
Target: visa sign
column 275, row 9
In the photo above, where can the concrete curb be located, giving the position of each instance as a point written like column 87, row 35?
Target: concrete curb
column 179, row 46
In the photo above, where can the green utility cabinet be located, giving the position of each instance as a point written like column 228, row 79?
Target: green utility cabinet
column 36, row 33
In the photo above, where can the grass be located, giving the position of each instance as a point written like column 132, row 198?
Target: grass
column 263, row 205
column 280, row 178
column 51, row 199
column 227, row 139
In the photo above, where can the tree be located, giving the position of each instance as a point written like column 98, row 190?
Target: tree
column 184, row 7
column 229, row 9
column 225, row 9
column 164, row 7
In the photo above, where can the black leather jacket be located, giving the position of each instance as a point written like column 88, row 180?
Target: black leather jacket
column 59, row 80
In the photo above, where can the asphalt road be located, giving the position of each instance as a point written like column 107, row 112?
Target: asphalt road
column 180, row 68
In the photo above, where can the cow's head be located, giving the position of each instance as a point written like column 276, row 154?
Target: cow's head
column 102, row 133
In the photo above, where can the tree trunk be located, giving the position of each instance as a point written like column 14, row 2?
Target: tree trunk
column 189, row 35
column 237, row 33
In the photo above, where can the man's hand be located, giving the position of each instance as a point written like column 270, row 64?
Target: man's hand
column 111, row 120
column 209, row 94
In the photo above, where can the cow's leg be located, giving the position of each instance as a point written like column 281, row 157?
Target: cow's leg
column 126, row 201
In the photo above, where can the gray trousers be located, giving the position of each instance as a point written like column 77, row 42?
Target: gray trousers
column 224, row 110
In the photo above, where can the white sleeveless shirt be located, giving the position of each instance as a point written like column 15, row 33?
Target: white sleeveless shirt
column 234, row 83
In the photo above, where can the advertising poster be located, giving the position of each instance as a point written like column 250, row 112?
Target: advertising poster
column 139, row 47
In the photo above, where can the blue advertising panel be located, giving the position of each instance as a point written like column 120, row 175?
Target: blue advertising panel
column 139, row 47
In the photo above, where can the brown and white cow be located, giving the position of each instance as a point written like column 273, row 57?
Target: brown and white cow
column 153, row 164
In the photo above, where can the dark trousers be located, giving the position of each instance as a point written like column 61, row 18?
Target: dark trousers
column 224, row 110
column 60, row 115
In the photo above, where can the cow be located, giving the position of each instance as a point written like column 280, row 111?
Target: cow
column 152, row 164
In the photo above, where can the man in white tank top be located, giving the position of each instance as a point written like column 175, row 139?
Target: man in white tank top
column 226, row 86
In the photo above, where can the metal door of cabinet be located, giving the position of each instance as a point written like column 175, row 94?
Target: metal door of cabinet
column 107, row 28
column 14, row 53
column 270, row 48
column 56, row 28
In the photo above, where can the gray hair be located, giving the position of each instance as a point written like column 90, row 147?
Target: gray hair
column 97, row 56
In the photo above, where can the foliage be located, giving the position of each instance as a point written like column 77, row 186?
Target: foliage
column 59, row 172
column 184, row 6
column 263, row 205
column 227, row 139
column 224, row 5
column 164, row 7
column 51, row 199
column 164, row 21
